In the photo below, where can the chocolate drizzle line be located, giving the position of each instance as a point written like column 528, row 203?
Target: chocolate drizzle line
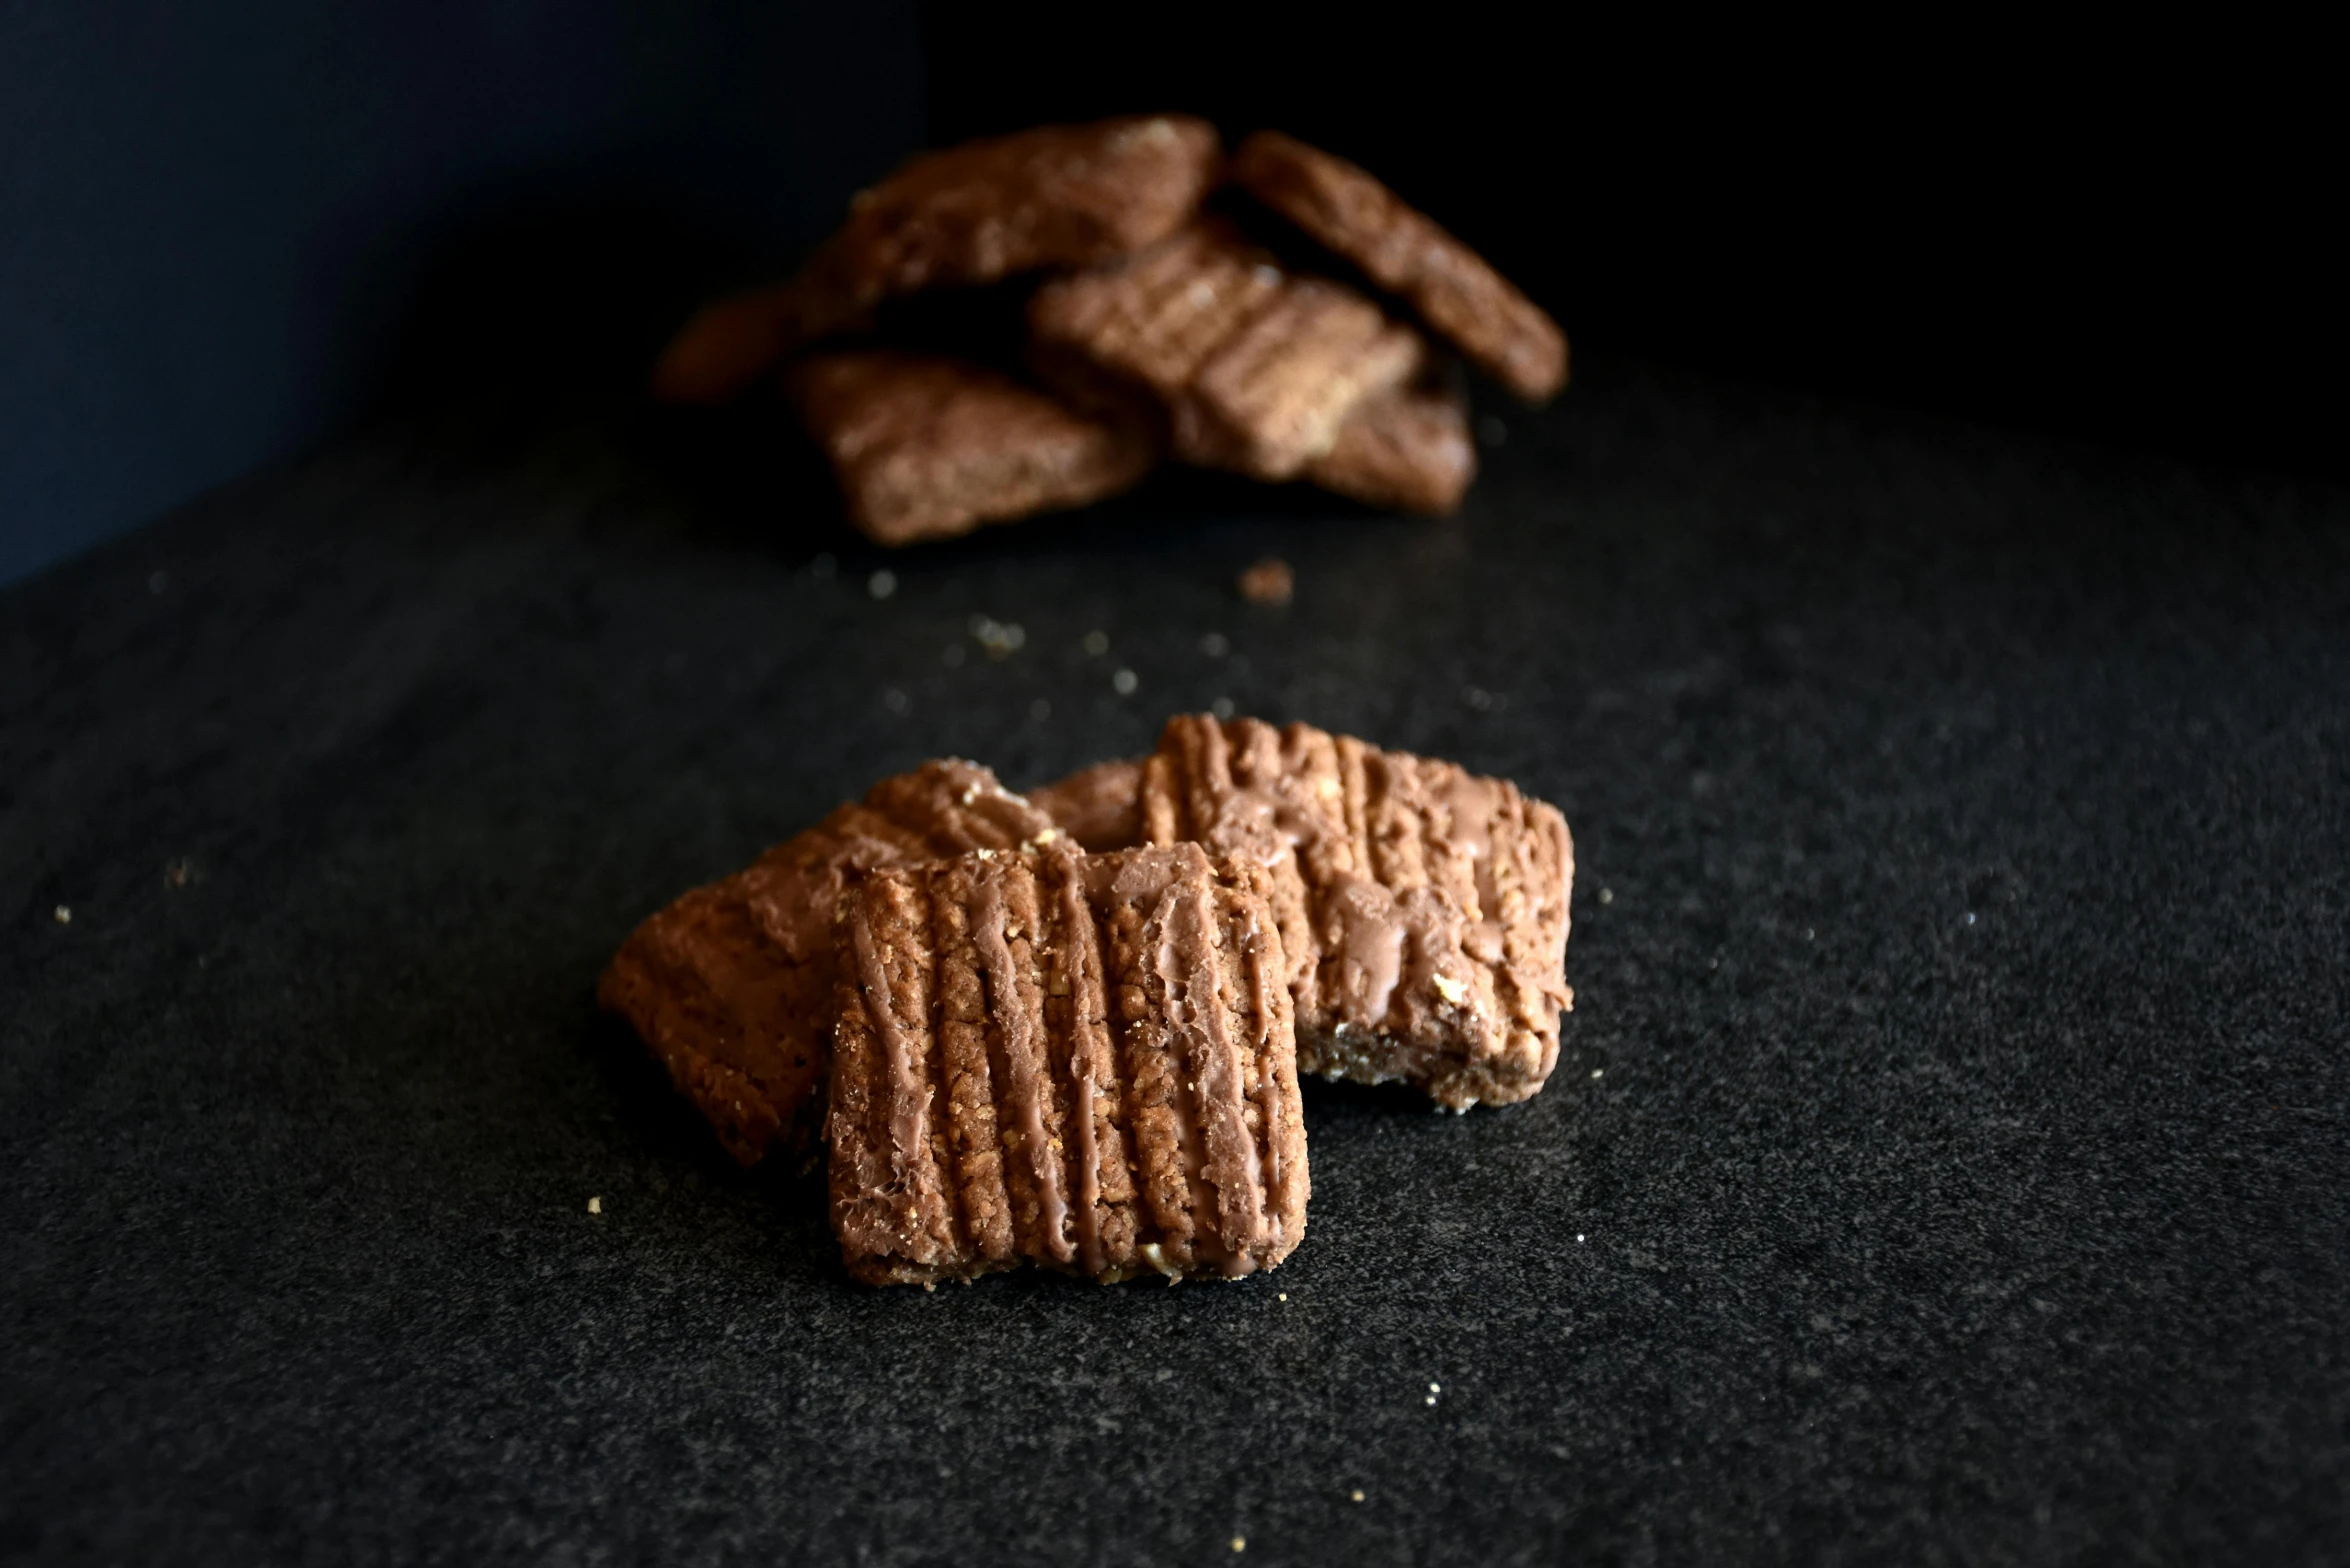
column 1024, row 1057
column 1082, row 957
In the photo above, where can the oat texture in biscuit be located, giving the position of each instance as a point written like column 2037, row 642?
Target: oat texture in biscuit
column 926, row 447
column 731, row 986
column 1344, row 207
column 1100, row 808
column 1054, row 196
column 1082, row 1062
column 1133, row 332
column 1423, row 909
column 1407, row 451
column 1271, row 397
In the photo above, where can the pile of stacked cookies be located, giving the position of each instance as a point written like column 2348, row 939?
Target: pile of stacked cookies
column 1066, row 1028
column 1234, row 314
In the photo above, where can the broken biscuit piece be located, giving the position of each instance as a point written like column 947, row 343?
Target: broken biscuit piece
column 1086, row 1063
column 1272, row 396
column 1423, row 909
column 1453, row 288
column 1407, row 450
column 731, row 986
column 927, row 447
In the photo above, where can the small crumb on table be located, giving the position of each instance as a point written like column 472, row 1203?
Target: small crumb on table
column 595, row 1205
column 1270, row 581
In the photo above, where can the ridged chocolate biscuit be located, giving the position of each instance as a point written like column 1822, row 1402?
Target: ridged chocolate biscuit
column 1055, row 196
column 1273, row 395
column 1133, row 332
column 1423, row 909
column 1407, row 450
column 1347, row 209
column 1086, row 1063
column 927, row 447
column 732, row 986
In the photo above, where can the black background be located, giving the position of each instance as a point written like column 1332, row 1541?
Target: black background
column 2126, row 234
column 234, row 231
column 231, row 231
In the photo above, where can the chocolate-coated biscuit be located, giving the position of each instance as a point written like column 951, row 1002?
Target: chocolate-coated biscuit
column 1134, row 331
column 1423, row 909
column 1272, row 396
column 1081, row 1062
column 732, row 985
column 1054, row 196
column 926, row 447
column 1344, row 207
column 1407, row 450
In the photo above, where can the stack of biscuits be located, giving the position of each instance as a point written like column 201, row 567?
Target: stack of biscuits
column 1067, row 1028
column 1270, row 314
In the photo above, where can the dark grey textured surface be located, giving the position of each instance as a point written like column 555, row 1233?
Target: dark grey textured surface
column 1961, row 934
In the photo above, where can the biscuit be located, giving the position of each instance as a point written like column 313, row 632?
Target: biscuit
column 1054, row 196
column 1407, row 450
column 1100, row 808
column 1423, row 909
column 1468, row 303
column 731, row 986
column 926, row 447
column 1272, row 396
column 1133, row 332
column 1086, row 1063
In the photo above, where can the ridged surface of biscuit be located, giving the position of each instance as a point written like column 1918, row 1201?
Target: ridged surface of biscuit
column 1272, row 396
column 1424, row 909
column 1082, row 1062
column 732, row 986
column 1139, row 328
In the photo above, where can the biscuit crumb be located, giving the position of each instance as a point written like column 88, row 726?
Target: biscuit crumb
column 595, row 1205
column 1284, row 1296
column 1240, row 1543
column 1270, row 581
column 64, row 915
column 1450, row 989
column 178, row 874
column 1358, row 1494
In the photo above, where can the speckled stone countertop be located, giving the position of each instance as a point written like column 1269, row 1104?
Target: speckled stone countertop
column 1947, row 1162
